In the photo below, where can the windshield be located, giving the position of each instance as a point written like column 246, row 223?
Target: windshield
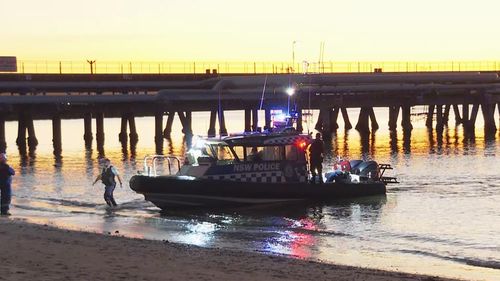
column 224, row 154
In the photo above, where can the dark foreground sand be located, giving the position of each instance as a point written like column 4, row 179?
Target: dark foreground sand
column 36, row 252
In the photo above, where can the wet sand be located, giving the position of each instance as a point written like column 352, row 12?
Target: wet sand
column 40, row 252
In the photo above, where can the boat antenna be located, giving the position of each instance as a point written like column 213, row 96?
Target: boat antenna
column 309, row 115
column 263, row 92
column 219, row 111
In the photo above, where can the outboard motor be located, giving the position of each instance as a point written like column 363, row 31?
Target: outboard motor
column 355, row 164
column 368, row 169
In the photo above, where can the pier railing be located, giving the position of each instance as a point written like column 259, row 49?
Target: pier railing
column 159, row 67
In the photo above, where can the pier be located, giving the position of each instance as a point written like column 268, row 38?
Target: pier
column 93, row 98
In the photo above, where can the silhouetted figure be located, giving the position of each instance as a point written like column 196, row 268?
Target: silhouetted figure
column 316, row 151
column 6, row 173
column 255, row 156
column 92, row 65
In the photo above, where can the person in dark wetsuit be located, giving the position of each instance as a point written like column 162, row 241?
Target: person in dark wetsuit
column 107, row 177
column 316, row 150
column 6, row 173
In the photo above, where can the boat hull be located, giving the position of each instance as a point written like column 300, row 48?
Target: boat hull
column 178, row 192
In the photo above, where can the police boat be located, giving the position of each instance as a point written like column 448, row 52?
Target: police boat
column 251, row 169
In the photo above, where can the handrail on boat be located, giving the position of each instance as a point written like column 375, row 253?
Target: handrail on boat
column 382, row 178
column 151, row 170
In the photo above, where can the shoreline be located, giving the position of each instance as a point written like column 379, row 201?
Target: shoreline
column 44, row 252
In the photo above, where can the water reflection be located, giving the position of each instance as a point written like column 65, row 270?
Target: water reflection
column 368, row 144
column 170, row 145
column 438, row 197
column 27, row 155
column 406, row 141
column 199, row 233
column 100, row 150
column 297, row 234
column 89, row 165
column 393, row 135
column 490, row 146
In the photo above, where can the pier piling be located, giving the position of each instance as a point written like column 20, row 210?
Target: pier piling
column 473, row 115
column 182, row 118
column 363, row 120
column 213, row 119
column 469, row 121
column 373, row 119
column 189, row 123
column 498, row 105
column 123, row 135
column 170, row 121
column 334, row 115
column 465, row 114
column 439, row 118
column 446, row 114
column 87, row 127
column 222, row 123
column 458, row 117
column 21, row 131
column 99, row 118
column 393, row 117
column 345, row 116
column 325, row 123
column 248, row 117
column 267, row 117
column 186, row 120
column 367, row 116
column 319, row 124
column 255, row 119
column 159, row 128
column 57, row 134
column 406, row 118
column 430, row 116
column 32, row 140
column 489, row 118
column 133, row 135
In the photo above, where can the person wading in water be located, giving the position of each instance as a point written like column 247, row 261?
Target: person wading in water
column 6, row 173
column 107, row 177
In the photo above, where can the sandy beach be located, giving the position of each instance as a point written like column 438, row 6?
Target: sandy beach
column 41, row 252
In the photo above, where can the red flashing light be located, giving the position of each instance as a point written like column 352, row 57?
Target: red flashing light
column 302, row 144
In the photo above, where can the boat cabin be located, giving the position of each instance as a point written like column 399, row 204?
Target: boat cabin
column 261, row 157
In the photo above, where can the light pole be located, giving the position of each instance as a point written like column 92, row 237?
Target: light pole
column 290, row 91
column 293, row 56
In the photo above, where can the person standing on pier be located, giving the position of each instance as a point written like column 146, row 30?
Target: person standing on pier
column 107, row 177
column 6, row 173
column 316, row 150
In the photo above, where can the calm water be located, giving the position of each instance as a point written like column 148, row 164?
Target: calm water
column 444, row 217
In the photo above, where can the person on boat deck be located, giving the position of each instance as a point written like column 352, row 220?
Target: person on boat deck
column 6, row 173
column 316, row 150
column 107, row 177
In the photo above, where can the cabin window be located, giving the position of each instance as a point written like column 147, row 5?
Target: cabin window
column 207, row 151
column 293, row 153
column 265, row 153
column 239, row 151
column 254, row 154
column 273, row 153
column 224, row 155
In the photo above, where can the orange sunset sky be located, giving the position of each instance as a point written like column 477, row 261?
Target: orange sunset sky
column 175, row 30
